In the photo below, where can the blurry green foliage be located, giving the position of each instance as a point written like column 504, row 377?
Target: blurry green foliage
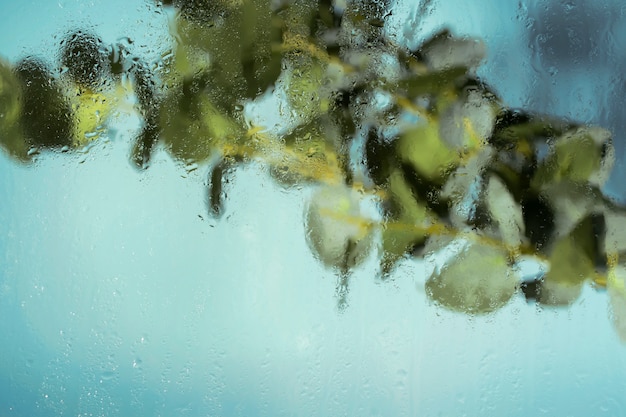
column 440, row 156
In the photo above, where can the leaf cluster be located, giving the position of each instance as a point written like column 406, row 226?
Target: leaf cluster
column 364, row 120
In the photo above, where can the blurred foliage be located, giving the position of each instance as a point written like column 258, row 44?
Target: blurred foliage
column 439, row 157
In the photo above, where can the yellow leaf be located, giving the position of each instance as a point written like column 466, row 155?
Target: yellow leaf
column 422, row 147
column 91, row 109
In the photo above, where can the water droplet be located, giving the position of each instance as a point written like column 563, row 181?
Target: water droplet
column 137, row 363
column 107, row 375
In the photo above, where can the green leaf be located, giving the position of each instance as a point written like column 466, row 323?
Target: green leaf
column 199, row 11
column 519, row 128
column 262, row 33
column 83, row 55
column 462, row 187
column 338, row 232
column 363, row 22
column 418, row 85
column 583, row 155
column 12, row 137
column 505, row 212
column 615, row 236
column 616, row 288
column 145, row 142
column 405, row 227
column 405, row 202
column 219, row 175
column 539, row 217
column 469, row 120
column 47, row 117
column 558, row 294
column 476, row 281
column 439, row 143
column 327, row 17
column 571, row 258
column 571, row 202
column 306, row 87
column 381, row 157
column 423, row 148
column 571, row 264
column 145, row 91
column 309, row 155
column 444, row 51
column 300, row 17
column 238, row 42
column 398, row 240
column 194, row 128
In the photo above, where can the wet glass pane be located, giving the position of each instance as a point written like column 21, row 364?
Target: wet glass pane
column 294, row 208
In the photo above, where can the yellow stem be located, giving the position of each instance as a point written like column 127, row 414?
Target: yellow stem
column 272, row 151
column 412, row 108
column 297, row 43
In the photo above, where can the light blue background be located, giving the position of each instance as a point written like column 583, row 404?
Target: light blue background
column 119, row 295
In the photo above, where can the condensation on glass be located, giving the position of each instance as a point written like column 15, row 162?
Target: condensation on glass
column 312, row 208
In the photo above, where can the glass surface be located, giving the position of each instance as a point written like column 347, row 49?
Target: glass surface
column 121, row 295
